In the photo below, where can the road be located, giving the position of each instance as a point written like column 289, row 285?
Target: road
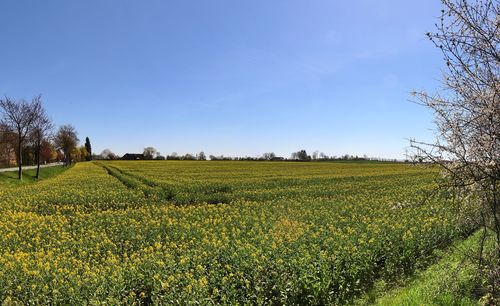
column 30, row 167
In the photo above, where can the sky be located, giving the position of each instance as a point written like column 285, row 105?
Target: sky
column 237, row 78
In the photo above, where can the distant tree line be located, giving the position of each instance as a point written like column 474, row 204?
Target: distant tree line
column 28, row 137
column 150, row 153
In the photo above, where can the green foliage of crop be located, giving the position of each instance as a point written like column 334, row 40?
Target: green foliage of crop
column 169, row 232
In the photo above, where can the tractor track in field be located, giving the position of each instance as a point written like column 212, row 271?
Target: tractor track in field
column 177, row 196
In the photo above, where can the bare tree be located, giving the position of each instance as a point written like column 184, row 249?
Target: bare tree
column 201, row 156
column 19, row 116
column 268, row 156
column 66, row 139
column 301, row 155
column 149, row 152
column 40, row 132
column 315, row 155
column 467, row 111
column 108, row 154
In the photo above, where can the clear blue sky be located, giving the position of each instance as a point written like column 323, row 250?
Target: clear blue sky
column 226, row 77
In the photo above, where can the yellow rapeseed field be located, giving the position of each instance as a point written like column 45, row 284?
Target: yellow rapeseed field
column 180, row 232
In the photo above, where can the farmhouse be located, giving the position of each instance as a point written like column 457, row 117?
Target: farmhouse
column 133, row 156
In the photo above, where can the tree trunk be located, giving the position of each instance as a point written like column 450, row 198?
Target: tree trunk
column 68, row 158
column 39, row 148
column 19, row 158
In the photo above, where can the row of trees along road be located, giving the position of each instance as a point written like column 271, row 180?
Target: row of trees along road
column 25, row 124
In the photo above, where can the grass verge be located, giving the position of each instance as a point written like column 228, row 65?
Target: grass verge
column 452, row 280
column 9, row 179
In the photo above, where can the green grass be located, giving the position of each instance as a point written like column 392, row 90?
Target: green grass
column 9, row 179
column 452, row 280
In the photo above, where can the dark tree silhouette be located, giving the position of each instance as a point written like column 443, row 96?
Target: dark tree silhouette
column 149, row 152
column 201, row 156
column 88, row 147
column 301, row 155
column 66, row 139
